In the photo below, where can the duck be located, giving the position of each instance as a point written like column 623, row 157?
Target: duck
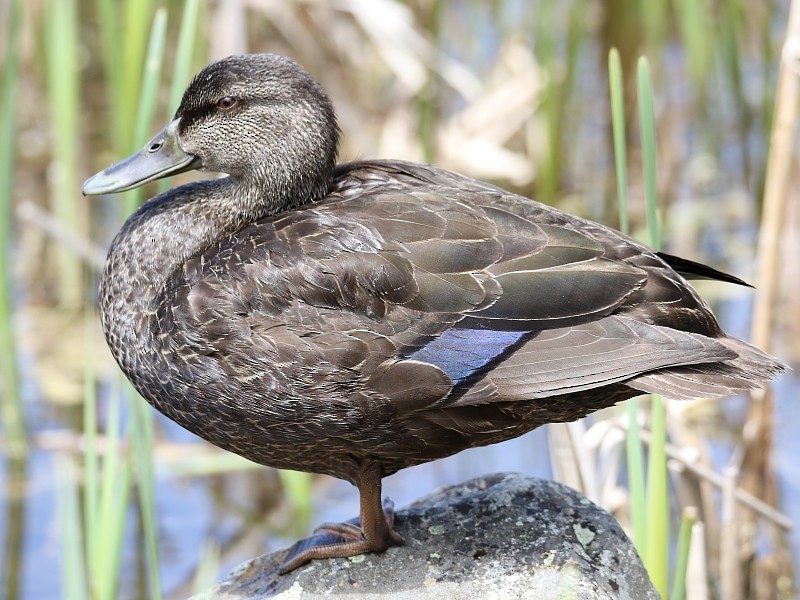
column 354, row 319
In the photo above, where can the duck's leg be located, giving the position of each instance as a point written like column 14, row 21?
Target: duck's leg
column 375, row 534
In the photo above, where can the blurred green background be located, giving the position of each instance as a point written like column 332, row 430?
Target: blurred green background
column 515, row 92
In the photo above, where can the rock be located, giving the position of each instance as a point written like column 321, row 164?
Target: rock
column 500, row 536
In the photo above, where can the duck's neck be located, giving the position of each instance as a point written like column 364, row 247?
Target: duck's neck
column 158, row 239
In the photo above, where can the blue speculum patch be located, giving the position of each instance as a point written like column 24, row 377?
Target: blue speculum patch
column 465, row 353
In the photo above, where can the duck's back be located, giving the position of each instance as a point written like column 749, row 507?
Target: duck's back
column 413, row 312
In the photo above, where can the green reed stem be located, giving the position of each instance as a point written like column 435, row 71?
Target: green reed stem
column 11, row 413
column 657, row 510
column 183, row 57
column 427, row 112
column 141, row 438
column 183, row 63
column 556, row 98
column 682, row 554
column 112, row 61
column 694, row 21
column 112, row 503
column 137, row 24
column 617, row 92
column 108, row 491
column 148, row 96
column 546, row 38
column 655, row 22
column 64, row 97
column 91, row 465
column 648, row 136
column 633, row 441
column 656, row 557
column 636, row 475
column 141, row 424
column 73, row 567
column 123, row 57
column 151, row 76
column 207, row 568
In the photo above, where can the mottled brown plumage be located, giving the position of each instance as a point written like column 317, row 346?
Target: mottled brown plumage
column 360, row 318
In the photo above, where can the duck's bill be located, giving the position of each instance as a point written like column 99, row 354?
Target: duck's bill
column 160, row 157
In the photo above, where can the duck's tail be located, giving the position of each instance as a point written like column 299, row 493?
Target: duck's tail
column 751, row 369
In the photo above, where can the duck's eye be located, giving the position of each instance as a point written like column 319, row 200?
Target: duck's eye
column 226, row 102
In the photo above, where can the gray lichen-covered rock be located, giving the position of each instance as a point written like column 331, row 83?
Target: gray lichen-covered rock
column 500, row 536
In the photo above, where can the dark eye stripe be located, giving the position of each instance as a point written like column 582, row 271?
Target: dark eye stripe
column 188, row 117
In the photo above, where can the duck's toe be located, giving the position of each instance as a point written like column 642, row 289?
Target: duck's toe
column 340, row 540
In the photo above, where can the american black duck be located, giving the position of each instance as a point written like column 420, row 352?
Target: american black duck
column 356, row 319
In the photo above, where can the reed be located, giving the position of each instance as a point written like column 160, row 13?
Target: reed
column 113, row 501
column 11, row 413
column 148, row 96
column 136, row 22
column 109, row 485
column 181, row 70
column 108, row 482
column 633, row 442
column 655, row 21
column 647, row 129
column 688, row 520
column 63, row 94
column 557, row 51
column 617, row 94
column 123, row 61
column 694, row 20
column 649, row 509
column 656, row 557
column 91, row 465
column 207, row 567
column 73, row 572
column 110, row 51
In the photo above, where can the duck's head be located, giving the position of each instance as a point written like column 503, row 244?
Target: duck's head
column 259, row 118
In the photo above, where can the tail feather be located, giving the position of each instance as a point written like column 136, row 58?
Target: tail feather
column 751, row 369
